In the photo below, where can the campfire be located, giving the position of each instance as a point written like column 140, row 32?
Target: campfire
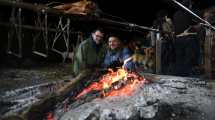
column 124, row 95
column 114, row 83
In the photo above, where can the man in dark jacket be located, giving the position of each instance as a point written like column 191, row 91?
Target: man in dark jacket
column 90, row 53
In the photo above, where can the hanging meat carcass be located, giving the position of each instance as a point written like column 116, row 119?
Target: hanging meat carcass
column 83, row 7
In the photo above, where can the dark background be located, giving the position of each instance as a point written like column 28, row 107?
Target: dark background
column 141, row 12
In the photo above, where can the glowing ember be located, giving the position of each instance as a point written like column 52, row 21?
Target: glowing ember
column 116, row 83
column 50, row 116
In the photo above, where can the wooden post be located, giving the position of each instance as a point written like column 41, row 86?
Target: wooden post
column 209, row 57
column 158, row 53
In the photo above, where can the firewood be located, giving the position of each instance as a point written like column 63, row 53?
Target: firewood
column 67, row 88
column 40, row 109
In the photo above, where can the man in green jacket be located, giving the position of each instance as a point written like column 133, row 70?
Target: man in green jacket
column 90, row 53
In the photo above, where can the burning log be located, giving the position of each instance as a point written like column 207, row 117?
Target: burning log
column 114, row 83
column 39, row 110
column 47, row 102
column 119, row 80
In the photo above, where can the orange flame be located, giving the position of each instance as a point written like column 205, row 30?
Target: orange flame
column 132, row 80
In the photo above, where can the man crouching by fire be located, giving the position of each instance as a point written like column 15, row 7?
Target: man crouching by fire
column 118, row 56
